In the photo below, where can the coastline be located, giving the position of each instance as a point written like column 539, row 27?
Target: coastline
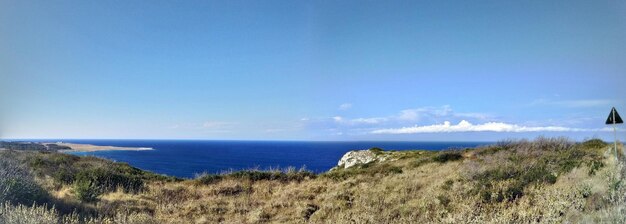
column 428, row 173
column 94, row 148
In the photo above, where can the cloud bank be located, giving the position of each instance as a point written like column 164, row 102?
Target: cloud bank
column 465, row 126
column 423, row 114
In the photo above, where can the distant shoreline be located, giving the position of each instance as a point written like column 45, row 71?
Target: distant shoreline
column 94, row 148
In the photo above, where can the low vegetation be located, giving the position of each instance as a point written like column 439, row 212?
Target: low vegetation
column 17, row 185
column 369, row 169
column 547, row 180
column 22, row 146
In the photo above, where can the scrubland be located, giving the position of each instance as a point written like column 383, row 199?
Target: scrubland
column 546, row 180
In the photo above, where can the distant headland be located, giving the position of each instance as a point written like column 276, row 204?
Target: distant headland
column 73, row 147
column 65, row 147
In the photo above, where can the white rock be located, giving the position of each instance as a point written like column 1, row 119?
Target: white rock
column 357, row 157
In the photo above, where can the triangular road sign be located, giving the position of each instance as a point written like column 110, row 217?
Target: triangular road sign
column 614, row 115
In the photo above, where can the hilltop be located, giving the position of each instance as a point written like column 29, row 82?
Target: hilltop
column 547, row 180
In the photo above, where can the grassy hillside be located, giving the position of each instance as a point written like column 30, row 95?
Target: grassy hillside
column 545, row 180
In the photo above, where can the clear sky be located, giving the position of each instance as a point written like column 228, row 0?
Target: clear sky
column 311, row 70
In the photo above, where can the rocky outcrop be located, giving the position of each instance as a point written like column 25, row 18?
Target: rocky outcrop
column 357, row 157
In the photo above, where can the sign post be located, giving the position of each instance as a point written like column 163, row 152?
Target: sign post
column 614, row 119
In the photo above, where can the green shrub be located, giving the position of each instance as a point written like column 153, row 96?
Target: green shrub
column 300, row 175
column 370, row 169
column 366, row 165
column 534, row 162
column 513, row 192
column 594, row 166
column 394, row 169
column 537, row 174
column 64, row 176
column 594, row 144
column 64, row 168
column 86, row 190
column 566, row 160
column 89, row 184
column 59, row 159
column 341, row 174
column 376, row 150
column 492, row 195
column 497, row 174
column 36, row 162
column 256, row 175
column 444, row 157
column 520, row 177
column 421, row 161
column 491, row 150
column 485, row 195
column 447, row 185
column 55, row 147
column 443, row 200
column 232, row 190
column 308, row 211
column 207, row 178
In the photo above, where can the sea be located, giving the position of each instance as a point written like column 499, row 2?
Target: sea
column 188, row 158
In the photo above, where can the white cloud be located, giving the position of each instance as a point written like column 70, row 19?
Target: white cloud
column 359, row 121
column 345, row 106
column 433, row 113
column 465, row 126
column 373, row 120
column 423, row 114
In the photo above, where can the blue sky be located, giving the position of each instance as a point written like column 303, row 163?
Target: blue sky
column 314, row 70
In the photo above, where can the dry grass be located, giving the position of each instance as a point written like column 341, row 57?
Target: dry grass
column 544, row 181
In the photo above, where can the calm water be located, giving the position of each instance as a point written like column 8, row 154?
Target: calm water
column 184, row 158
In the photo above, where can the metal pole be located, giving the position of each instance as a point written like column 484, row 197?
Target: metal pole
column 615, row 134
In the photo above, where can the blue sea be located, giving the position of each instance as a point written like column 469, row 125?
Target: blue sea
column 186, row 158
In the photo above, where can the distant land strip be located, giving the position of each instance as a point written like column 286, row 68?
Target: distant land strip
column 92, row 148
